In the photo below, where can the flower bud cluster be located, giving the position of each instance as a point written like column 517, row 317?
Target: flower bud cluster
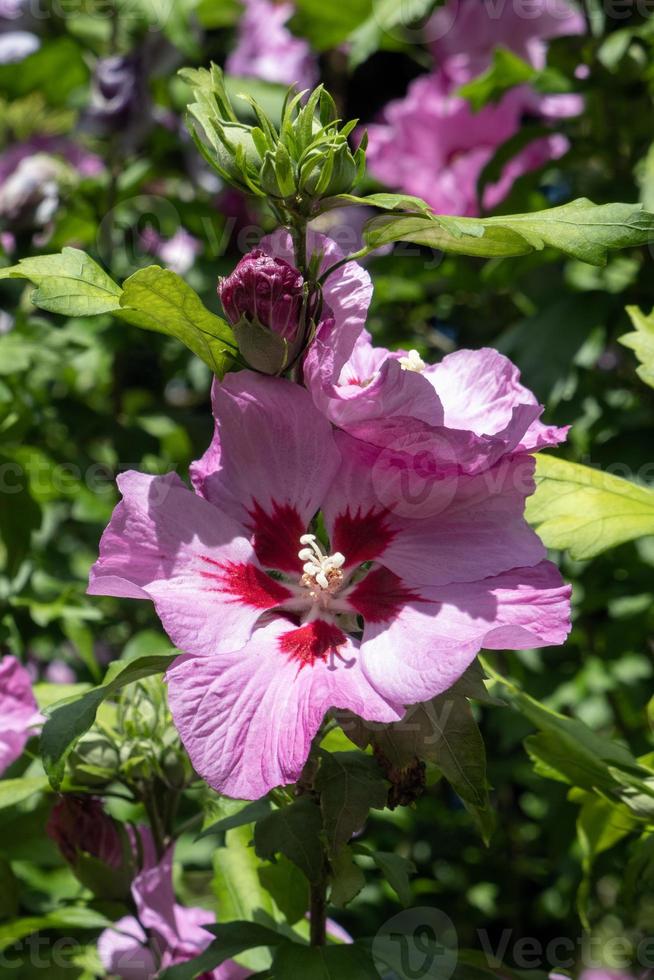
column 144, row 748
column 298, row 165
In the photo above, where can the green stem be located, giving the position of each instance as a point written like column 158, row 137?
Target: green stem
column 156, row 826
column 299, row 233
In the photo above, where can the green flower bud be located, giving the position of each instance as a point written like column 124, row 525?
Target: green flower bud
column 329, row 171
column 238, row 148
column 94, row 761
column 175, row 768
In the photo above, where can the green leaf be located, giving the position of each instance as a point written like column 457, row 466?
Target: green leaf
column 569, row 747
column 72, row 917
column 239, row 891
column 61, row 59
column 20, row 515
column 346, row 962
column 587, row 511
column 347, row 878
column 506, row 70
column 384, row 201
column 288, row 887
column 642, row 342
column 293, row 831
column 232, row 938
column 350, row 785
column 327, row 23
column 9, row 891
column 69, row 720
column 397, row 871
column 13, row 791
column 70, row 283
column 158, row 299
column 247, row 813
column 581, row 229
column 600, row 825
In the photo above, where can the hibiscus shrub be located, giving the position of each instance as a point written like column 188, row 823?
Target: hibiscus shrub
column 327, row 442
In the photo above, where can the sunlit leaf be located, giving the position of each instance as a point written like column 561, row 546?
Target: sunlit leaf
column 641, row 340
column 158, row 299
column 582, row 229
column 587, row 511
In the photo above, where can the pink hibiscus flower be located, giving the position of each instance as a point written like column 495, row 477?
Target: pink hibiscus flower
column 466, row 32
column 266, row 48
column 474, row 399
column 269, row 614
column 19, row 713
column 431, row 144
column 163, row 933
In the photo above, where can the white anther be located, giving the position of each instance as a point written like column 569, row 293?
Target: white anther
column 320, row 569
column 412, row 361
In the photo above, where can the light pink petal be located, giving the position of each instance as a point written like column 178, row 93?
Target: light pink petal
column 429, row 641
column 166, row 544
column 464, row 35
column 124, row 953
column 430, row 143
column 346, row 293
column 370, row 385
column 266, row 49
column 152, row 891
column 247, row 720
column 270, row 463
column 480, row 390
column 19, row 713
column 426, row 524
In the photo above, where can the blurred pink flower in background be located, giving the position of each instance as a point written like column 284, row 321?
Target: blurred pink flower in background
column 266, row 48
column 431, row 144
column 466, row 32
column 164, row 933
column 19, row 713
column 16, row 45
column 177, row 253
column 33, row 174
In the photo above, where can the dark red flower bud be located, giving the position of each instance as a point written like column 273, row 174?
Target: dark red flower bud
column 79, row 825
column 266, row 291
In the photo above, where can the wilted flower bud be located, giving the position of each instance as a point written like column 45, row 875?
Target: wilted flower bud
column 79, row 824
column 264, row 301
column 97, row 847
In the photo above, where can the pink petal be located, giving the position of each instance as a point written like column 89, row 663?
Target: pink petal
column 431, row 640
column 430, row 527
column 270, row 463
column 481, row 391
column 247, row 720
column 464, row 35
column 370, row 385
column 347, row 292
column 166, row 544
column 19, row 713
column 124, row 953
